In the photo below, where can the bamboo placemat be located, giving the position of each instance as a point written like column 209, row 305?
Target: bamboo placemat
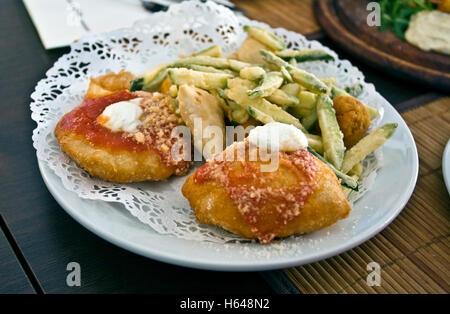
column 413, row 251
column 297, row 16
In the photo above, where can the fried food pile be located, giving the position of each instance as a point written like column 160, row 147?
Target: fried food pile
column 122, row 132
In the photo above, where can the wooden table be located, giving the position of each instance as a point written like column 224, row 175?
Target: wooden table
column 38, row 239
column 13, row 278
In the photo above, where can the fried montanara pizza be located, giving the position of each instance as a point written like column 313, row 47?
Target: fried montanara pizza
column 301, row 195
column 123, row 137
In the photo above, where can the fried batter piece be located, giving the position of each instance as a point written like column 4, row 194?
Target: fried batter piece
column 353, row 119
column 122, row 156
column 249, row 51
column 302, row 195
column 108, row 84
column 197, row 104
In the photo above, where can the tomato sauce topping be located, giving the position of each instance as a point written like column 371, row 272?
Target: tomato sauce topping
column 264, row 200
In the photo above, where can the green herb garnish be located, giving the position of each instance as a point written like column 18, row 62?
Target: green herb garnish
column 396, row 14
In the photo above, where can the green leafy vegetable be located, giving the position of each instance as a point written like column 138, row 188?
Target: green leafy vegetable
column 396, row 14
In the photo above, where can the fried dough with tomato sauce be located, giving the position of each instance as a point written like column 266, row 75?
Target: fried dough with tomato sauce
column 113, row 165
column 122, row 156
column 302, row 195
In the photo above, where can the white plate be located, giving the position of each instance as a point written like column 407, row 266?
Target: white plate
column 178, row 238
column 390, row 192
column 446, row 166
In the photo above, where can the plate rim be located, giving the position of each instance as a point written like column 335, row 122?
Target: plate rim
column 180, row 260
column 446, row 165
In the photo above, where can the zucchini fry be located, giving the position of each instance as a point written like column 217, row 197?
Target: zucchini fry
column 264, row 36
column 237, row 66
column 222, row 102
column 346, row 180
column 209, row 69
column 310, row 120
column 155, row 84
column 272, row 59
column 357, row 170
column 304, row 55
column 366, row 145
column 219, row 63
column 259, row 115
column 286, row 75
column 283, row 99
column 309, row 80
column 372, row 111
column 147, row 77
column 238, row 114
column 300, row 76
column 315, row 142
column 238, row 92
column 332, row 137
column 253, row 73
column 202, row 80
column 234, row 112
column 271, row 82
column 347, row 190
column 307, row 102
column 292, row 89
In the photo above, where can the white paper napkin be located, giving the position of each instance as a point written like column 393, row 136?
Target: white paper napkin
column 60, row 22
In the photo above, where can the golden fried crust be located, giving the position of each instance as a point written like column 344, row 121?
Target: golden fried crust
column 249, row 51
column 353, row 119
column 108, row 84
column 114, row 166
column 326, row 205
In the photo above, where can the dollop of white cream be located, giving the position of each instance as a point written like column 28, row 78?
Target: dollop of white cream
column 276, row 136
column 122, row 116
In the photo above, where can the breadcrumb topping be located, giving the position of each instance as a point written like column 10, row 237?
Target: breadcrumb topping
column 158, row 121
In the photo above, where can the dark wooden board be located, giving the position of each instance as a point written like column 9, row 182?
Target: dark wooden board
column 345, row 21
column 12, row 277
